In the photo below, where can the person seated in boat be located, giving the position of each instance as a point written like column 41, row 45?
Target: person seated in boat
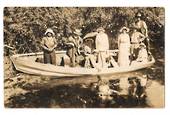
column 136, row 38
column 101, row 44
column 143, row 54
column 49, row 44
column 74, row 42
column 111, row 61
column 89, row 57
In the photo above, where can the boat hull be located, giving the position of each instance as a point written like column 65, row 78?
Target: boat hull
column 26, row 63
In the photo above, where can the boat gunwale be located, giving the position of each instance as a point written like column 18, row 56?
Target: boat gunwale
column 72, row 72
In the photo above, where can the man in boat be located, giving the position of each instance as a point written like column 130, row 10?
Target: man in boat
column 136, row 38
column 74, row 42
column 48, row 44
column 102, row 45
column 142, row 27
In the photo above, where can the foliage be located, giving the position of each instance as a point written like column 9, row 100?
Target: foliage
column 25, row 26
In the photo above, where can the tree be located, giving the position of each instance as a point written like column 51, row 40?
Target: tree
column 25, row 26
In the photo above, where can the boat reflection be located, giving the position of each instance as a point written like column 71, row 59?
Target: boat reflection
column 114, row 91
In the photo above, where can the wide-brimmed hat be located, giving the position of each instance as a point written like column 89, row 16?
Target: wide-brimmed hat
column 49, row 30
column 124, row 28
column 77, row 32
column 100, row 29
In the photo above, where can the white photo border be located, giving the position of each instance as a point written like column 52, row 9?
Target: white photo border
column 86, row 3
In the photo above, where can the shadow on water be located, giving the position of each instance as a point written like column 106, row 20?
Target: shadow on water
column 79, row 92
column 69, row 96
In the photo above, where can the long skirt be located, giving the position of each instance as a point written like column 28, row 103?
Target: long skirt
column 123, row 57
column 50, row 57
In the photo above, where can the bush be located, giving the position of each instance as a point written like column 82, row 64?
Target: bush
column 25, row 26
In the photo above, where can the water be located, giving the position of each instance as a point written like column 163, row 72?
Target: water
column 24, row 90
column 79, row 93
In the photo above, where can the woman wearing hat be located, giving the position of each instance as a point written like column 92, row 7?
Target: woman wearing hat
column 124, row 47
column 143, row 54
column 48, row 44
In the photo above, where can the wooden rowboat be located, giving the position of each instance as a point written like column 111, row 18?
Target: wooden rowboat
column 26, row 63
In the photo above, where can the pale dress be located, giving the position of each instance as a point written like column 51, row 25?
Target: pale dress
column 102, row 45
column 143, row 56
column 124, row 49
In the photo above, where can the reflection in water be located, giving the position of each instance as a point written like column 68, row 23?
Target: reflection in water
column 104, row 91
column 120, row 90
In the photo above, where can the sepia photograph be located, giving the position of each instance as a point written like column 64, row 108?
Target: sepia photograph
column 84, row 57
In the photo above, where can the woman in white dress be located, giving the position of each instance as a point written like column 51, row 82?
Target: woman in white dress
column 124, row 47
column 143, row 54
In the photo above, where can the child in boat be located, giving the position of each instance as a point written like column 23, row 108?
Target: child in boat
column 48, row 44
column 143, row 54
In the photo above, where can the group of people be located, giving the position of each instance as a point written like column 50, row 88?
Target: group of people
column 130, row 48
column 134, row 48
